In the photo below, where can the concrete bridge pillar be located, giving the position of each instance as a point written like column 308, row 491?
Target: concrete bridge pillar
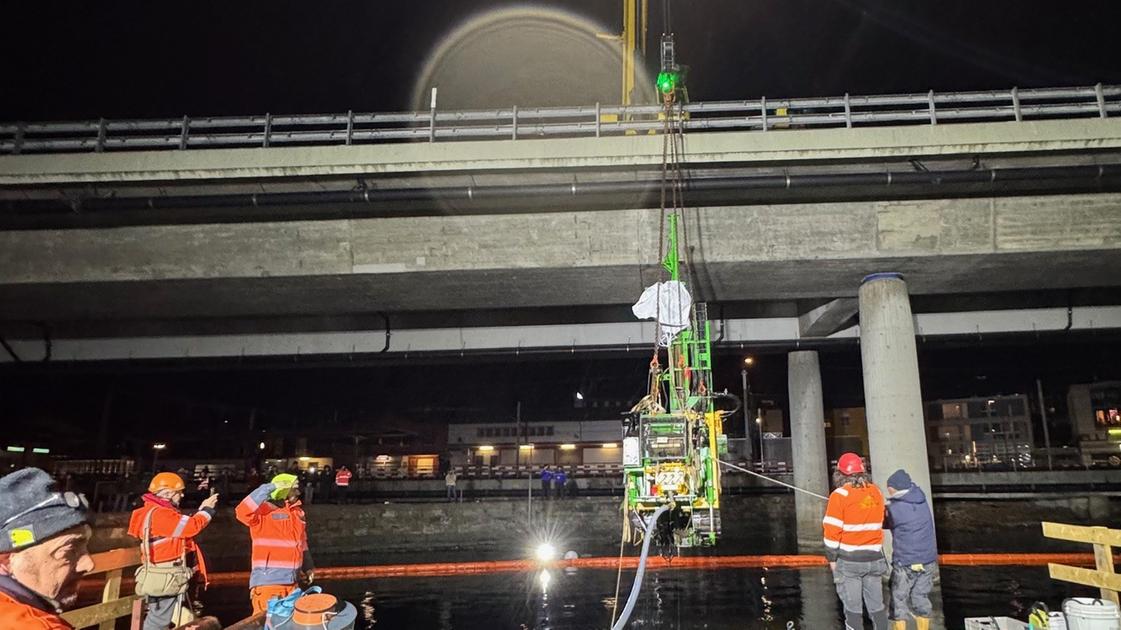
column 892, row 397
column 807, row 430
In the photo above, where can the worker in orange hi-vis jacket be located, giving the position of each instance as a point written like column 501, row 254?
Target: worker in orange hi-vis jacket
column 342, row 483
column 854, row 538
column 278, row 530
column 44, row 536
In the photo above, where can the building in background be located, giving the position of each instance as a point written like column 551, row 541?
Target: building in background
column 979, row 432
column 1095, row 413
column 846, row 431
column 536, row 443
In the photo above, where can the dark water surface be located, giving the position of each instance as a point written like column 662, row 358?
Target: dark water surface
column 686, row 599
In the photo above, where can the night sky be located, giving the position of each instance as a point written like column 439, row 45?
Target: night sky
column 153, row 59
column 63, row 404
column 65, row 60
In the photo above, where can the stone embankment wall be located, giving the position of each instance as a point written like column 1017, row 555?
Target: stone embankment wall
column 497, row 528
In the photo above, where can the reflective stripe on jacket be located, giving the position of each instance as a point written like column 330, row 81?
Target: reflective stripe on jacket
column 854, row 524
column 17, row 610
column 279, row 534
column 172, row 532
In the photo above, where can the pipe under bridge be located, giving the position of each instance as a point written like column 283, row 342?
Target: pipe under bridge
column 113, row 231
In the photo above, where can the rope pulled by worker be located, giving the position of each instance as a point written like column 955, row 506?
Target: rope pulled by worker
column 774, row 481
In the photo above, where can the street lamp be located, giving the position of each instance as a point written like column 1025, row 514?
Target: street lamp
column 156, row 448
column 759, row 424
column 748, row 407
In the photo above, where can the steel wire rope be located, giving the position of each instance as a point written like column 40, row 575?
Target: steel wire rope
column 678, row 198
column 773, row 480
column 654, row 393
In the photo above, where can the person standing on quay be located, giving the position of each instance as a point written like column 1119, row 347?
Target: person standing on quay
column 914, row 558
column 854, row 538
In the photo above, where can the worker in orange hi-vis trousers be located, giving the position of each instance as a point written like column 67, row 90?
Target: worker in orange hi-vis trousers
column 278, row 529
column 854, row 538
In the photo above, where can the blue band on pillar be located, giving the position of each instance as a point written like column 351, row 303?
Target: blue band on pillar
column 887, row 275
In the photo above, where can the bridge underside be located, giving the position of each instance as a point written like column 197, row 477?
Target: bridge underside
column 327, row 296
column 231, row 274
column 328, row 238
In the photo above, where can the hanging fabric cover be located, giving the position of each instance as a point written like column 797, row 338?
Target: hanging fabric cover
column 675, row 307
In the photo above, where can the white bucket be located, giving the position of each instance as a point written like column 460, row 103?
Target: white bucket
column 1087, row 613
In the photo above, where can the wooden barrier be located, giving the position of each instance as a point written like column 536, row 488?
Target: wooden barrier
column 112, row 606
column 1104, row 540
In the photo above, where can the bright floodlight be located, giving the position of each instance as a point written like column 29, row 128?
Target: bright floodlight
column 579, row 396
column 546, row 552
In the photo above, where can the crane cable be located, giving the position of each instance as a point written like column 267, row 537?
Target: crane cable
column 619, row 572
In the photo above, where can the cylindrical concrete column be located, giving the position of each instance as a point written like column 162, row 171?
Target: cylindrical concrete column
column 892, row 398
column 807, row 441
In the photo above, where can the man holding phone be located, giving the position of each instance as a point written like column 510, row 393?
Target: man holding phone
column 170, row 543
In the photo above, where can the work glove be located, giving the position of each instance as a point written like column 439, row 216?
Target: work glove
column 283, row 485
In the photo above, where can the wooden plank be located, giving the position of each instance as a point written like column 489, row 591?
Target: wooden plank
column 1083, row 534
column 120, row 559
column 137, row 614
column 1103, row 558
column 1087, row 577
column 94, row 615
column 111, row 592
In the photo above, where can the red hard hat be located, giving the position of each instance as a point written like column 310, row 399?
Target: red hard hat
column 850, row 464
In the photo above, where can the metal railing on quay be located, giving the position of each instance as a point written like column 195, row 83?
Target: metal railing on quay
column 513, row 123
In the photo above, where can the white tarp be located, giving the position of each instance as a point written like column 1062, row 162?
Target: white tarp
column 676, row 304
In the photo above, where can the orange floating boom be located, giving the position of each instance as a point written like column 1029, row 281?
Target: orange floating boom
column 436, row 569
column 444, row 569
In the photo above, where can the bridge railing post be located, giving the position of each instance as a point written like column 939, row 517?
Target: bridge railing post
column 432, row 118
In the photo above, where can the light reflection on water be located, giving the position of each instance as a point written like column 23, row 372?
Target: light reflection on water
column 686, row 599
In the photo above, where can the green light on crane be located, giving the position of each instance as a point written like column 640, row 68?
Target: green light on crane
column 667, row 82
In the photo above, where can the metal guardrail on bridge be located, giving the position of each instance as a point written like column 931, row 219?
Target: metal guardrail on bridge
column 760, row 114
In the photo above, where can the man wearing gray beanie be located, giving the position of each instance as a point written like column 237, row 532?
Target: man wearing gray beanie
column 44, row 535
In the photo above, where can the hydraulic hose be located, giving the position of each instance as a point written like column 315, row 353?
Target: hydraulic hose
column 637, row 586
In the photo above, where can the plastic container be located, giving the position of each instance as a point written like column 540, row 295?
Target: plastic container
column 1087, row 613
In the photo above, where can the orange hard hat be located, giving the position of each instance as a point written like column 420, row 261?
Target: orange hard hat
column 850, row 464
column 167, row 481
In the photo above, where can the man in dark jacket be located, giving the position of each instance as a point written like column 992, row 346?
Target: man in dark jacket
column 914, row 552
